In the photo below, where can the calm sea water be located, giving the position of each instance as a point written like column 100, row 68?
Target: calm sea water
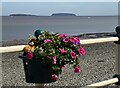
column 19, row 27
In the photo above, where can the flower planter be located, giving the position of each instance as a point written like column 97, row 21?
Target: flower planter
column 35, row 72
column 47, row 53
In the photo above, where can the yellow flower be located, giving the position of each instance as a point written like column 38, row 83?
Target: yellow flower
column 27, row 48
column 31, row 43
column 32, row 48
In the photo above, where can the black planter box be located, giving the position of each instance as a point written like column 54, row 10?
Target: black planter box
column 35, row 72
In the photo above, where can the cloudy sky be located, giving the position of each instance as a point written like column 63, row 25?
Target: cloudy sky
column 47, row 8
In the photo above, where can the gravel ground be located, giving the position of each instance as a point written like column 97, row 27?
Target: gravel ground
column 97, row 65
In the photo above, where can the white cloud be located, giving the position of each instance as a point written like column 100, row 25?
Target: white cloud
column 61, row 1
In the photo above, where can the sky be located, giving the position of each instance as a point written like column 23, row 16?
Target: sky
column 48, row 8
column 60, row 0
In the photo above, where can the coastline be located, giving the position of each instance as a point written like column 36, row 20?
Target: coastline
column 97, row 65
column 81, row 36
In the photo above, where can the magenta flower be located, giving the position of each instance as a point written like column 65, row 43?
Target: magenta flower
column 47, row 40
column 54, row 60
column 62, row 66
column 62, row 51
column 62, row 36
column 81, row 51
column 73, row 54
column 77, row 40
column 72, row 40
column 77, row 69
column 54, row 77
column 48, row 56
column 66, row 40
column 29, row 55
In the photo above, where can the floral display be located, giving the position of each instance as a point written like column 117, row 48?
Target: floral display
column 55, row 51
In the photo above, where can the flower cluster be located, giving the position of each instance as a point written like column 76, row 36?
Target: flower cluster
column 55, row 50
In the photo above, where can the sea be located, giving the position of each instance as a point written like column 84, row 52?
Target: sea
column 19, row 27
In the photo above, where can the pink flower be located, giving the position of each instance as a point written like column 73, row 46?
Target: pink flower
column 62, row 36
column 81, row 51
column 77, row 40
column 29, row 55
column 62, row 66
column 73, row 54
column 54, row 77
column 54, row 60
column 48, row 57
column 62, row 51
column 66, row 40
column 47, row 40
column 72, row 40
column 77, row 69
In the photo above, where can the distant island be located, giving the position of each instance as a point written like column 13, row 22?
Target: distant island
column 21, row 15
column 54, row 14
column 63, row 14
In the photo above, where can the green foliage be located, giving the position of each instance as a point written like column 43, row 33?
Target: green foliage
column 55, row 50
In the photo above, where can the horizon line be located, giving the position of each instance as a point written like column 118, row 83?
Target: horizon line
column 61, row 15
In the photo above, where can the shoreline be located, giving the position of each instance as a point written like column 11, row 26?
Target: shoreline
column 81, row 36
column 96, row 35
